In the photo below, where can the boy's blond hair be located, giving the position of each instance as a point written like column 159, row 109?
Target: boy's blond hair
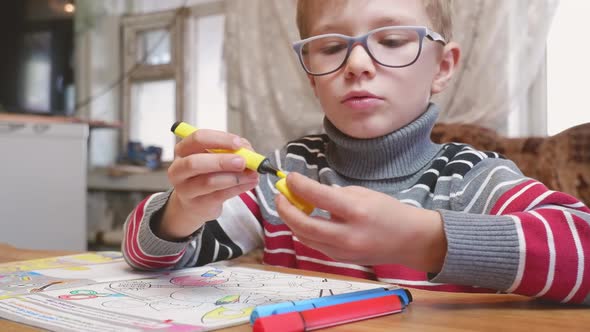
column 439, row 12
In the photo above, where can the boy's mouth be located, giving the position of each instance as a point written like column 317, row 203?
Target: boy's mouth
column 359, row 95
column 361, row 99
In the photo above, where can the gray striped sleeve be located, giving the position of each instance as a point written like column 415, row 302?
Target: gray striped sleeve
column 484, row 184
column 149, row 243
column 483, row 249
column 235, row 232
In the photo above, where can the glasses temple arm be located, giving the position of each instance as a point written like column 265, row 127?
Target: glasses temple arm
column 435, row 36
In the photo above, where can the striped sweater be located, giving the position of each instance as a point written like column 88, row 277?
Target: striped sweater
column 505, row 232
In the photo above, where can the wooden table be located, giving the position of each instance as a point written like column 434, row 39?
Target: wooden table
column 430, row 311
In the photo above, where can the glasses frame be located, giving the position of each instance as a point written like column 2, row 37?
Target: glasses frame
column 362, row 40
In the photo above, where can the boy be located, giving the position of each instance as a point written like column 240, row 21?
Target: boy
column 391, row 204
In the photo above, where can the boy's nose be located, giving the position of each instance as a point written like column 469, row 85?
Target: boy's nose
column 359, row 63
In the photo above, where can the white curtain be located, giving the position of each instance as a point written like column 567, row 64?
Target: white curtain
column 503, row 44
column 267, row 89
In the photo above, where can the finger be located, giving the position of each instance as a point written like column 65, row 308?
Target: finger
column 246, row 144
column 222, row 195
column 327, row 249
column 311, row 228
column 325, row 197
column 203, row 139
column 204, row 163
column 210, row 183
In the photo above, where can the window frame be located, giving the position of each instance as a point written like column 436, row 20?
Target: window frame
column 179, row 23
column 133, row 26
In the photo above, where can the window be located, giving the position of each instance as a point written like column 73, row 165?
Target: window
column 152, row 112
column 175, row 72
column 210, row 104
column 567, row 68
column 153, row 61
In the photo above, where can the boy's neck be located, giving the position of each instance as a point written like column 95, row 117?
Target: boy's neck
column 398, row 154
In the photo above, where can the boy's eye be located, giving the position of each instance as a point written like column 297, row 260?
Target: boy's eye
column 332, row 48
column 393, row 42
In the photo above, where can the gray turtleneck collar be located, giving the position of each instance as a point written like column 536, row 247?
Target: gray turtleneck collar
column 398, row 154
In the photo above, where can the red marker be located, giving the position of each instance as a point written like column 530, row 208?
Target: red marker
column 319, row 318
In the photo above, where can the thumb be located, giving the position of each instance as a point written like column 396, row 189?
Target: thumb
column 332, row 199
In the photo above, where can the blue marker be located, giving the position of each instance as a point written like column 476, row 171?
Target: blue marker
column 279, row 308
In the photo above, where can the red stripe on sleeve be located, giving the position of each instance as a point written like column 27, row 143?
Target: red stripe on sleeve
column 506, row 196
column 583, row 229
column 133, row 249
column 566, row 257
column 537, row 255
column 519, row 198
column 252, row 205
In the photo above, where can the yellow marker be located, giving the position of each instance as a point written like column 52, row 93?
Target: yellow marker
column 255, row 162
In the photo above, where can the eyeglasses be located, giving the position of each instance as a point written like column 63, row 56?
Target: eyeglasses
column 393, row 46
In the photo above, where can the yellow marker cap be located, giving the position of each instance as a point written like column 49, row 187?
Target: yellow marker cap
column 182, row 129
column 299, row 203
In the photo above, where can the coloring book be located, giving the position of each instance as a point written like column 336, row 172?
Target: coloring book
column 99, row 292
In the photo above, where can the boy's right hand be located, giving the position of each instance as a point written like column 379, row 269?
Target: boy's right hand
column 202, row 181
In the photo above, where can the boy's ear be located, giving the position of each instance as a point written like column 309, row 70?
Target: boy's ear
column 448, row 65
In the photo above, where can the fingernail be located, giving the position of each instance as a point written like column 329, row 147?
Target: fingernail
column 237, row 162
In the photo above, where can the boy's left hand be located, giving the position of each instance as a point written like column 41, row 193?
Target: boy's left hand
column 366, row 227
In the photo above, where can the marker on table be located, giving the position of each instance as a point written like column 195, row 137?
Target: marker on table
column 293, row 306
column 319, row 318
column 255, row 162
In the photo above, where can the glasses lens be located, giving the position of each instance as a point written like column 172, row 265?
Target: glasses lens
column 324, row 54
column 394, row 47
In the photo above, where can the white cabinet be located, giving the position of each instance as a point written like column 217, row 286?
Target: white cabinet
column 43, row 185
